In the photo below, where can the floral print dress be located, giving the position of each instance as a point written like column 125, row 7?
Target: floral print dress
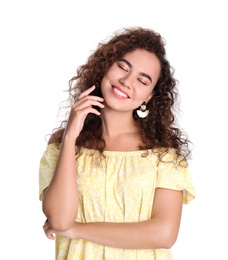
column 116, row 187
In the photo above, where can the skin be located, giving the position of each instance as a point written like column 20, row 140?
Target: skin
column 63, row 188
column 125, row 86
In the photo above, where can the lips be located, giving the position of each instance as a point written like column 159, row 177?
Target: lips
column 119, row 92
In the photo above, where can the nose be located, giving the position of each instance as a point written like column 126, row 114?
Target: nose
column 127, row 81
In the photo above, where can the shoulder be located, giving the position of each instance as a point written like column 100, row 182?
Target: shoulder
column 50, row 154
column 56, row 137
column 170, row 155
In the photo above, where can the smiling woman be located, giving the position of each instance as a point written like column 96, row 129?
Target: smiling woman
column 130, row 79
column 114, row 175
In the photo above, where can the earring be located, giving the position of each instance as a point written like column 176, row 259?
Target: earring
column 142, row 112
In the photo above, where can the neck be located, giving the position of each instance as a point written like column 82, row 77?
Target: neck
column 115, row 123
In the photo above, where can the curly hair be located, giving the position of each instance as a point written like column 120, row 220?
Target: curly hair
column 158, row 129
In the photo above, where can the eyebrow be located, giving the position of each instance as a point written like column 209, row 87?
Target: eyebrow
column 141, row 73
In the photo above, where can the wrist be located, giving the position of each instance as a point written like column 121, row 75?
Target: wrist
column 69, row 139
column 77, row 230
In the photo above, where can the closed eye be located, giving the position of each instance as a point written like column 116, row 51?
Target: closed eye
column 123, row 68
column 143, row 82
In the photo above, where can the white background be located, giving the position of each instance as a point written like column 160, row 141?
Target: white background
column 43, row 42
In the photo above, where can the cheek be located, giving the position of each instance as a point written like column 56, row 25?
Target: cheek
column 106, row 79
column 103, row 82
column 144, row 95
column 105, row 86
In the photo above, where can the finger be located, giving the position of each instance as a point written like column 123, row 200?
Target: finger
column 50, row 236
column 48, row 232
column 45, row 227
column 87, row 103
column 86, row 92
column 85, row 111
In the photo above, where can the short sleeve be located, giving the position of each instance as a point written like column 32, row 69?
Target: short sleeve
column 176, row 176
column 47, row 167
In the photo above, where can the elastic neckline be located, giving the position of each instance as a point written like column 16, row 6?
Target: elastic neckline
column 110, row 152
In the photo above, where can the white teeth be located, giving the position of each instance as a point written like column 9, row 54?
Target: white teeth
column 120, row 93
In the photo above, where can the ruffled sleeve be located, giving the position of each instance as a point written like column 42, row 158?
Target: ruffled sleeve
column 47, row 167
column 176, row 176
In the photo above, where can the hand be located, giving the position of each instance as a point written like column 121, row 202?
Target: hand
column 48, row 231
column 70, row 233
column 79, row 111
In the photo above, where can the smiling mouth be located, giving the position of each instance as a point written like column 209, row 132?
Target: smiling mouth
column 119, row 93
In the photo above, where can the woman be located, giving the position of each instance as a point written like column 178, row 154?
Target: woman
column 114, row 176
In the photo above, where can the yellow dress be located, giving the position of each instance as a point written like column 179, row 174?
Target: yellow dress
column 116, row 188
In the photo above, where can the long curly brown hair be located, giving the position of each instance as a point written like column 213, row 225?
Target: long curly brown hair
column 158, row 129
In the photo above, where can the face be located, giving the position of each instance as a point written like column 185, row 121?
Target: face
column 130, row 80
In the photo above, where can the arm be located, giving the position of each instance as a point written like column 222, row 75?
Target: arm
column 60, row 200
column 159, row 232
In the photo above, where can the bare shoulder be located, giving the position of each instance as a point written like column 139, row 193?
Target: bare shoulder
column 56, row 137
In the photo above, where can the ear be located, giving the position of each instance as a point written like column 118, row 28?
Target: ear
column 150, row 96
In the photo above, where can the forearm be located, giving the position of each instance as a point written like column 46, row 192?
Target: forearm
column 60, row 201
column 140, row 235
column 160, row 231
